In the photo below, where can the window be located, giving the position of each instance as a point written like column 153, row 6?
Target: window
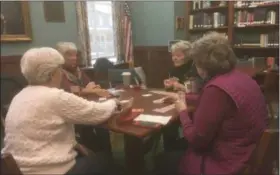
column 101, row 31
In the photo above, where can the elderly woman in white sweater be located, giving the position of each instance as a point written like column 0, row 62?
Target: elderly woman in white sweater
column 39, row 124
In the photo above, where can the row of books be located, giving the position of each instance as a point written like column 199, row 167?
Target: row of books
column 254, row 3
column 258, row 16
column 196, row 36
column 206, row 20
column 257, row 40
column 207, row 4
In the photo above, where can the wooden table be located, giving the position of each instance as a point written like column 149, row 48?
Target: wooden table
column 134, row 134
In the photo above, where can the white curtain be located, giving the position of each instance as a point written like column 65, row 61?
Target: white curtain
column 83, row 33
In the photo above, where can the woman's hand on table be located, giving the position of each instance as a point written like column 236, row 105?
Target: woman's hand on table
column 178, row 86
column 101, row 92
column 180, row 105
column 92, row 85
column 171, row 98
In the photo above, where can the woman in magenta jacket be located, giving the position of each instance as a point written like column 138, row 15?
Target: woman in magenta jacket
column 229, row 120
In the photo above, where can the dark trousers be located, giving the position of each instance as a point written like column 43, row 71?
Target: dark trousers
column 96, row 139
column 171, row 139
column 99, row 164
column 167, row 163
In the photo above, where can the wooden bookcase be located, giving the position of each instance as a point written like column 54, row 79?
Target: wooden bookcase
column 239, row 20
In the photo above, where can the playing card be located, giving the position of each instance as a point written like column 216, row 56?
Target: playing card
column 159, row 101
column 165, row 109
column 146, row 95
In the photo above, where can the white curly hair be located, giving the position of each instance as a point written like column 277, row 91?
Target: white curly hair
column 184, row 46
column 64, row 47
column 38, row 64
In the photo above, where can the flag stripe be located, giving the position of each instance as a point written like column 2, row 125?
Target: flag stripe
column 128, row 46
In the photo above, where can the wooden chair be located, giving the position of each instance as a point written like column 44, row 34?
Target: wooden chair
column 9, row 165
column 270, row 90
column 10, row 86
column 265, row 154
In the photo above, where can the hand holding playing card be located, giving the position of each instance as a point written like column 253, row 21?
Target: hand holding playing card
column 127, row 105
column 167, row 83
column 101, row 92
column 171, row 98
column 180, row 103
column 178, row 86
column 123, row 109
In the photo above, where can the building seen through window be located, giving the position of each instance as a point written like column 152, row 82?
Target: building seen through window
column 101, row 30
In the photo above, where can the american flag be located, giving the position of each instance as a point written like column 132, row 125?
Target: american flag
column 128, row 45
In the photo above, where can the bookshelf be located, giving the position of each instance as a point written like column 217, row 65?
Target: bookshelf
column 252, row 27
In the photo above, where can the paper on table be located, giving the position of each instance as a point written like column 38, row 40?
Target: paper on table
column 162, row 92
column 153, row 119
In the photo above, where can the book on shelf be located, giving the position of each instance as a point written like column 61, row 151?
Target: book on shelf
column 265, row 40
column 196, row 5
column 194, row 37
column 244, row 18
column 206, row 20
column 252, row 4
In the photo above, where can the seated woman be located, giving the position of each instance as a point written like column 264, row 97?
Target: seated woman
column 39, row 130
column 72, row 74
column 229, row 120
column 183, row 66
column 96, row 139
column 183, row 69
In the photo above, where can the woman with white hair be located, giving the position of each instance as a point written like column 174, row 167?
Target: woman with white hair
column 183, row 65
column 183, row 69
column 95, row 138
column 72, row 74
column 39, row 130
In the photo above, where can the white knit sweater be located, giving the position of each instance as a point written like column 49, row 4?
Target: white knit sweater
column 39, row 128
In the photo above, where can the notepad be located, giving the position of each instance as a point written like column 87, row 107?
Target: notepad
column 163, row 120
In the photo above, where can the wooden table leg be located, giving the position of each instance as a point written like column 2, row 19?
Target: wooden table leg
column 134, row 155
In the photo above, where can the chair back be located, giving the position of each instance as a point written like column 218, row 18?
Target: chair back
column 265, row 154
column 10, row 86
column 271, row 81
column 2, row 131
column 9, row 165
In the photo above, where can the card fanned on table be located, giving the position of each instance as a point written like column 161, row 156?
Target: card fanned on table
column 165, row 109
column 163, row 120
column 162, row 92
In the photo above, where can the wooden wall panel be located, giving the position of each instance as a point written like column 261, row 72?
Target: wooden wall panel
column 156, row 62
column 10, row 65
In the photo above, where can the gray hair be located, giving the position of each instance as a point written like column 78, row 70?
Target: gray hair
column 64, row 47
column 213, row 53
column 38, row 64
column 183, row 46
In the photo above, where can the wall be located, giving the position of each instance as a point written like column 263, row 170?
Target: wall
column 45, row 34
column 179, row 10
column 152, row 23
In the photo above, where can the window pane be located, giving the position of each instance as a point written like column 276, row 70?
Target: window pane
column 101, row 32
